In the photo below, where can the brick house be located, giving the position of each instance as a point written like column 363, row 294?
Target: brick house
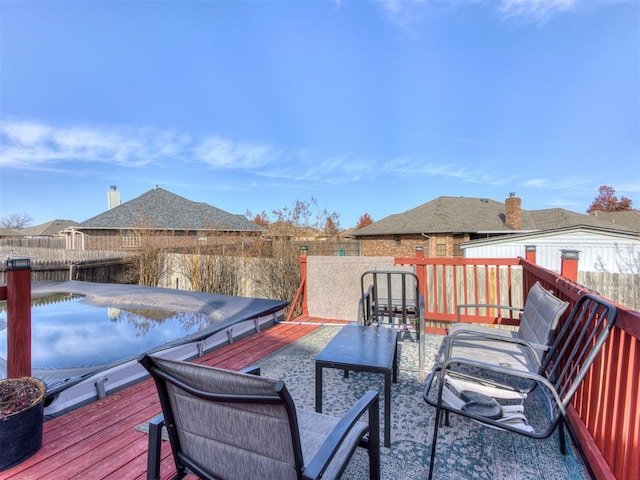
column 163, row 217
column 442, row 225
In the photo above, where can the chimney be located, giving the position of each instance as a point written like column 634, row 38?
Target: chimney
column 513, row 214
column 113, row 197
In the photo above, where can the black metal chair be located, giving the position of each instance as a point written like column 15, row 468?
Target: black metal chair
column 485, row 392
column 392, row 298
column 230, row 425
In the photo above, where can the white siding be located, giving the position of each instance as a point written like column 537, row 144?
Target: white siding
column 615, row 252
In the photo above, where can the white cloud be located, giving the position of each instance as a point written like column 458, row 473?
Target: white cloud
column 564, row 183
column 220, row 152
column 406, row 13
column 534, row 10
column 403, row 12
column 29, row 145
column 41, row 147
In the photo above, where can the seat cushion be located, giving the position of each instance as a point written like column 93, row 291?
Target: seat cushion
column 314, row 429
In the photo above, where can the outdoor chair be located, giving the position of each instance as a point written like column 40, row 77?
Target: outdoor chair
column 523, row 348
column 392, row 298
column 231, row 425
column 485, row 392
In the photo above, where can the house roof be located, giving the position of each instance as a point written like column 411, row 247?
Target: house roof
column 628, row 218
column 48, row 229
column 9, row 232
column 472, row 215
column 582, row 229
column 161, row 209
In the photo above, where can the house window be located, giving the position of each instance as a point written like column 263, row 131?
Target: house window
column 441, row 246
column 129, row 240
column 397, row 239
column 458, row 238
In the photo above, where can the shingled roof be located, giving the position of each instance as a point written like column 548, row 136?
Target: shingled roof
column 472, row 215
column 160, row 209
column 627, row 218
column 47, row 229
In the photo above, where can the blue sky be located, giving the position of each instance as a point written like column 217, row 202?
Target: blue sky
column 368, row 106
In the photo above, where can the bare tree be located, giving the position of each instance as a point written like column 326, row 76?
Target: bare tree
column 276, row 273
column 16, row 220
column 214, row 264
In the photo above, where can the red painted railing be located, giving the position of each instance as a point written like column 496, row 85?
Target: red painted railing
column 606, row 409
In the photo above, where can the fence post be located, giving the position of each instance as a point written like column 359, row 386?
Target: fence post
column 303, row 280
column 569, row 268
column 18, row 317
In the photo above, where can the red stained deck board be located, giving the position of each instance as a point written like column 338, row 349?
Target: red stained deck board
column 98, row 440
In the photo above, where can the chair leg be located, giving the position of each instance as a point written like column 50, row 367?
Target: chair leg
column 155, row 442
column 561, row 437
column 436, row 425
column 374, row 441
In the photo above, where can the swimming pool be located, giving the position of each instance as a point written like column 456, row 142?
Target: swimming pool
column 86, row 337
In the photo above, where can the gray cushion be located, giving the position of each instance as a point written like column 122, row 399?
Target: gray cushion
column 314, row 429
column 538, row 323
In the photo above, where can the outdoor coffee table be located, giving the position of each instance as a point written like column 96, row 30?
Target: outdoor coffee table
column 362, row 349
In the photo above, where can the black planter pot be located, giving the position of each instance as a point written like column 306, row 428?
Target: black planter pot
column 21, row 435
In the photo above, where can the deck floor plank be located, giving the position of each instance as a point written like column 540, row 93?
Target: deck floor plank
column 98, row 440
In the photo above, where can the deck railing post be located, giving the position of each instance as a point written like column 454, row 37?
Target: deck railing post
column 18, row 317
column 530, row 251
column 421, row 273
column 569, row 267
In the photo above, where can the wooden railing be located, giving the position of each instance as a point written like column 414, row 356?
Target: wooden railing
column 605, row 413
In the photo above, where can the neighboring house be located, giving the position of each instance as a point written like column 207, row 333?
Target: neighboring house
column 599, row 249
column 166, row 218
column 54, row 228
column 442, row 225
column 627, row 219
column 46, row 235
column 9, row 233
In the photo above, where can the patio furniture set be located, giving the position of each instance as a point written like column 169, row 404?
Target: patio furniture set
column 238, row 425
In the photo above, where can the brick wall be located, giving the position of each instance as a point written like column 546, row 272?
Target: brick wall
column 436, row 245
column 392, row 245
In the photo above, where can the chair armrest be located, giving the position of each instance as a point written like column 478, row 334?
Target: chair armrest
column 510, row 372
column 369, row 401
column 438, row 373
column 251, row 370
column 485, row 305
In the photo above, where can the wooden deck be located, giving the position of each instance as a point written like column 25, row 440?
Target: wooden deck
column 98, row 441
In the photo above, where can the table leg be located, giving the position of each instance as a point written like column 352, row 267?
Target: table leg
column 318, row 387
column 395, row 364
column 387, row 409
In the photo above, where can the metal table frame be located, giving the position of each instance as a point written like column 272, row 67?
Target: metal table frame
column 362, row 349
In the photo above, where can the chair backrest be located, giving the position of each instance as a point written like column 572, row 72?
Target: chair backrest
column 391, row 293
column 539, row 320
column 578, row 343
column 227, row 424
